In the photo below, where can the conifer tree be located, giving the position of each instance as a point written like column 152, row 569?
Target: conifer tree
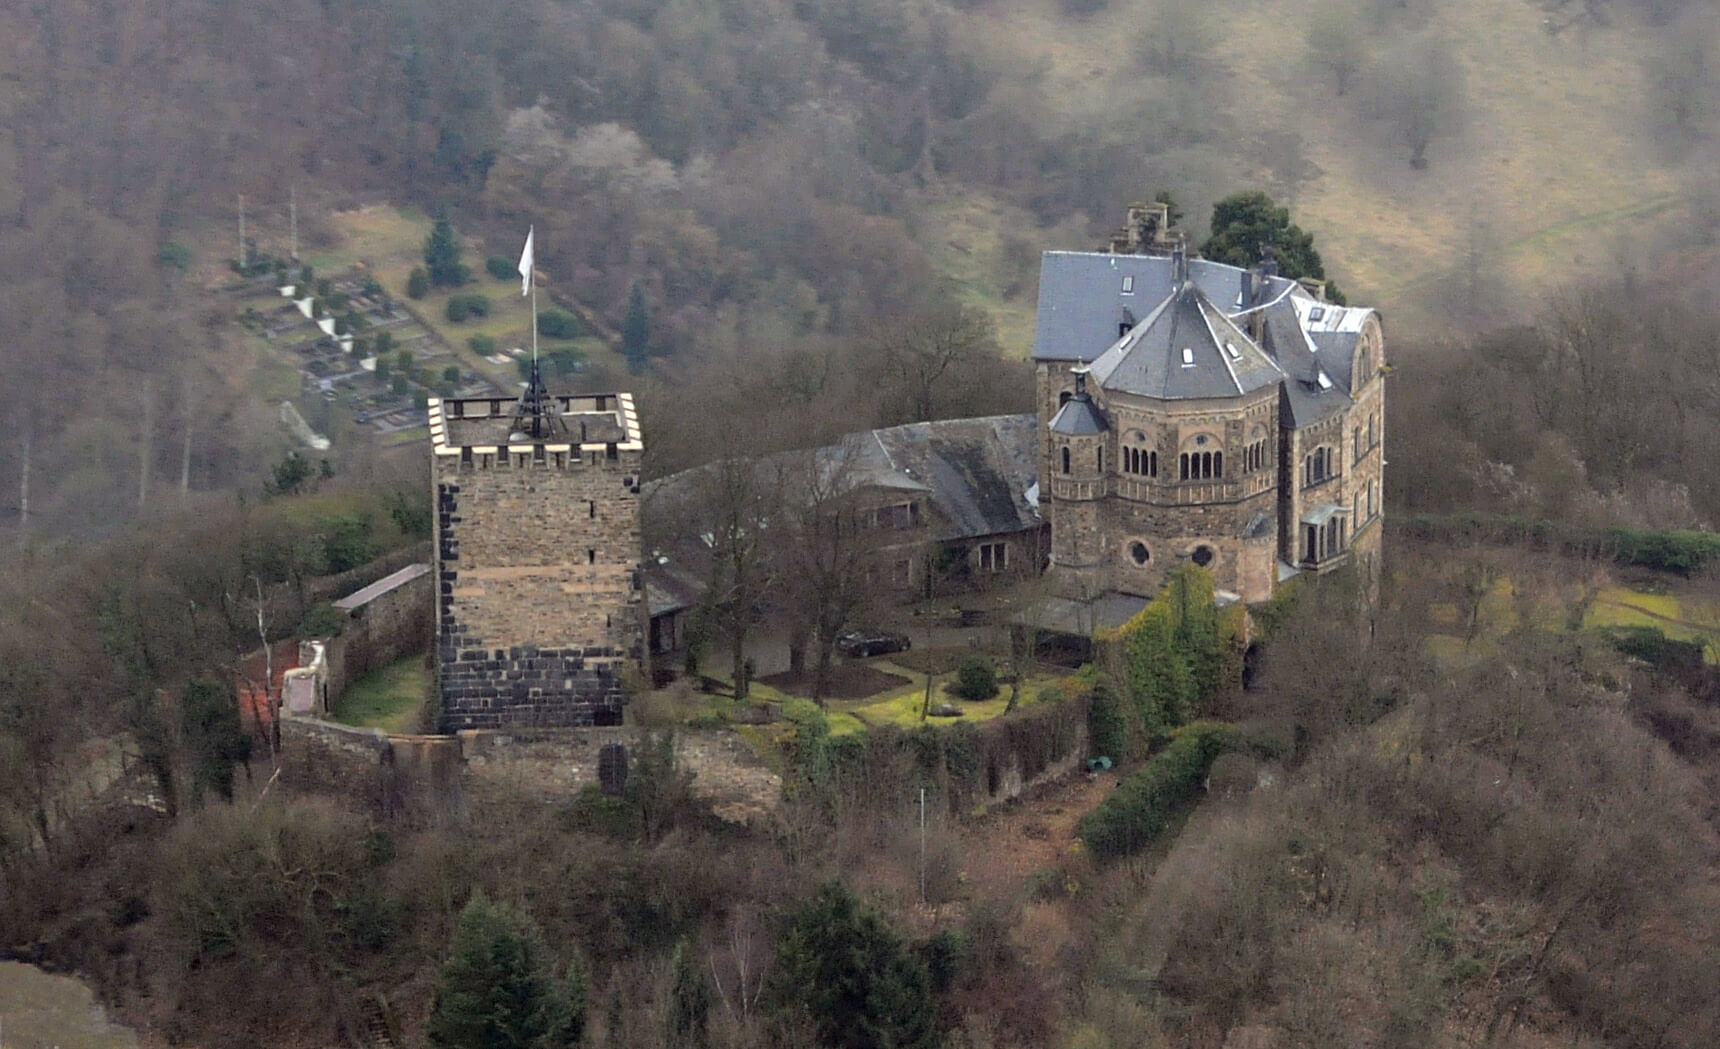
column 498, row 989
column 841, row 967
column 442, row 257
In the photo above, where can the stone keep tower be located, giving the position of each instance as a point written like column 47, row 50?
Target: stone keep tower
column 539, row 601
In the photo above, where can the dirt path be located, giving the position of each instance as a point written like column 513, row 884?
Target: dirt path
column 1005, row 849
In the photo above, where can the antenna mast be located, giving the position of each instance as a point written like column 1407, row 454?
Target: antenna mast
column 243, row 261
column 293, row 219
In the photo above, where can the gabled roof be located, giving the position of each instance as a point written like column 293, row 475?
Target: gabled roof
column 1186, row 349
column 1306, row 399
column 978, row 471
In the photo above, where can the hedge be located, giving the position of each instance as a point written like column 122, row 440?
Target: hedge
column 1138, row 810
column 1680, row 552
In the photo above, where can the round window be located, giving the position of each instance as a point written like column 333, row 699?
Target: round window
column 1138, row 552
column 1202, row 556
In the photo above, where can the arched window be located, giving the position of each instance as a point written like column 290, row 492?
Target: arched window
column 1356, row 447
column 1063, row 398
column 1373, row 431
column 1182, row 467
column 1152, row 464
column 1218, row 464
column 1065, row 458
column 1100, row 459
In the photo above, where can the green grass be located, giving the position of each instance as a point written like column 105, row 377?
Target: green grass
column 1679, row 620
column 389, row 699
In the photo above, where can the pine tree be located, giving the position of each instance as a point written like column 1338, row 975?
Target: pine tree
column 1245, row 224
column 636, row 331
column 442, row 257
column 840, row 966
column 498, row 990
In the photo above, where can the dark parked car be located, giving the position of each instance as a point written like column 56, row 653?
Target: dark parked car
column 862, row 643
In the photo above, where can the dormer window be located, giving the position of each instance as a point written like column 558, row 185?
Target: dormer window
column 1188, row 357
column 1231, row 350
column 1128, row 284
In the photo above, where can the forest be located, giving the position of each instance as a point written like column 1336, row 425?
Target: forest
column 1490, row 818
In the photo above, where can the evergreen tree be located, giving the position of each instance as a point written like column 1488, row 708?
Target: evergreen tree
column 689, row 1001
column 498, row 990
column 442, row 257
column 636, row 331
column 849, row 974
column 1245, row 224
column 209, row 716
column 418, row 283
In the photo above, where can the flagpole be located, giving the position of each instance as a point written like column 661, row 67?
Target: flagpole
column 532, row 281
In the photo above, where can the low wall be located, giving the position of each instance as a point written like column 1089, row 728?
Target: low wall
column 431, row 778
column 413, row 777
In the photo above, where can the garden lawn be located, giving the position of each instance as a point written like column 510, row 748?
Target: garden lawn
column 390, row 699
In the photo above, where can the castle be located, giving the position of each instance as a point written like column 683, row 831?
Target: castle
column 1190, row 409
column 1186, row 410
column 540, row 607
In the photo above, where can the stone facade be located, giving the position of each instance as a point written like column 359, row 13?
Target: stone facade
column 540, row 604
column 1274, row 396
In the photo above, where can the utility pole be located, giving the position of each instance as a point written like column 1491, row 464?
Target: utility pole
column 293, row 220
column 243, row 260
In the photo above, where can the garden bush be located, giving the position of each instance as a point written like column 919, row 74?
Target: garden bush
column 559, row 324
column 461, row 307
column 976, row 679
column 501, row 267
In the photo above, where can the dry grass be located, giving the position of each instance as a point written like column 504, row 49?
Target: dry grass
column 1552, row 177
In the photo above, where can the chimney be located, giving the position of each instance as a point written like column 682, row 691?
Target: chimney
column 1080, row 383
column 1179, row 263
column 1245, row 290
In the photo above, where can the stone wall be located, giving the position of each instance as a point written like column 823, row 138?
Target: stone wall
column 386, row 621
column 429, row 779
column 412, row 777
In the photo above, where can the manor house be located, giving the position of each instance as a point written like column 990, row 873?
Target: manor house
column 1193, row 410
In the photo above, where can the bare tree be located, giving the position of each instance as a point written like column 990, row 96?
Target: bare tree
column 1337, row 43
column 921, row 351
column 1418, row 89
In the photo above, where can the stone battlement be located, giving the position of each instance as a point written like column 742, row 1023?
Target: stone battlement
column 475, row 433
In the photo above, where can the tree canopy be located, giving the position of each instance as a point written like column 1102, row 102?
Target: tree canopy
column 842, row 965
column 499, row 989
column 1245, row 224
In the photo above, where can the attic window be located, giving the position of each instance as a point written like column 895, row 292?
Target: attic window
column 1317, row 313
column 1325, row 383
column 1129, row 285
column 1230, row 348
column 1188, row 357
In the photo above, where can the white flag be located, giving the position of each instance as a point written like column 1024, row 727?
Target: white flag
column 526, row 263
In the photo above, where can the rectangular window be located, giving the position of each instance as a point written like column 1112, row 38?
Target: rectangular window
column 1128, row 285
column 993, row 557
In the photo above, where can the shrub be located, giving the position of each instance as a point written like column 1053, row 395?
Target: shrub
column 1143, row 804
column 463, row 306
column 976, row 679
column 482, row 345
column 323, row 620
column 559, row 324
column 566, row 362
column 451, row 373
column 418, row 284
column 1107, row 727
column 500, row 267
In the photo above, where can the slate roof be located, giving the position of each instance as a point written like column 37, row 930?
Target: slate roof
column 1082, row 302
column 978, row 471
column 670, row 587
column 1078, row 417
column 1086, row 315
column 1186, row 349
